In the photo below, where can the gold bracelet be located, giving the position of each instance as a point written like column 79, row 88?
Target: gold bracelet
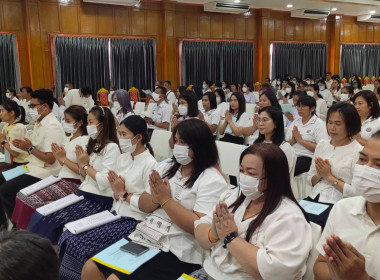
column 166, row 201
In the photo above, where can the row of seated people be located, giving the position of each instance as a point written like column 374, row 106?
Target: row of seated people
column 95, row 164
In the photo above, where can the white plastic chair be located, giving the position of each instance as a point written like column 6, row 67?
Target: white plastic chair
column 160, row 144
column 229, row 156
column 316, row 232
column 250, row 109
column 139, row 107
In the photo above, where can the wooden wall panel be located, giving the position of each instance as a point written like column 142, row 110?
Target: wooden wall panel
column 168, row 22
column 69, row 19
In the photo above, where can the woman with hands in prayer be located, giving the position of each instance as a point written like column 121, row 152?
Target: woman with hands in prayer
column 179, row 193
column 250, row 233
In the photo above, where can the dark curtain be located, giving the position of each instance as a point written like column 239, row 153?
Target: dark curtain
column 84, row 62
column 216, row 61
column 9, row 68
column 133, row 63
column 362, row 60
column 298, row 60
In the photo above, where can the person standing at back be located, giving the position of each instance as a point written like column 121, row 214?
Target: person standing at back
column 170, row 95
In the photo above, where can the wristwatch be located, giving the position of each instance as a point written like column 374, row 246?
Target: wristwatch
column 336, row 183
column 229, row 238
column 31, row 149
column 153, row 122
column 124, row 196
column 86, row 167
column 3, row 143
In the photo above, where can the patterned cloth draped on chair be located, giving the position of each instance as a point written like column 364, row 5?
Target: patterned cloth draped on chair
column 102, row 97
column 134, row 95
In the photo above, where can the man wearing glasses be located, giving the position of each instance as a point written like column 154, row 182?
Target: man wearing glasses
column 47, row 130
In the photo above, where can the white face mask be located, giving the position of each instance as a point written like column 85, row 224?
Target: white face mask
column 155, row 87
column 245, row 89
column 112, row 91
column 92, row 131
column 366, row 180
column 310, row 93
column 344, row 97
column 218, row 100
column 278, row 83
column 156, row 96
column 182, row 109
column 308, row 82
column 66, row 89
column 249, row 186
column 204, row 86
column 322, row 88
column 116, row 105
column 33, row 112
column 126, row 145
column 288, row 90
column 69, row 128
column 181, row 154
column 8, row 95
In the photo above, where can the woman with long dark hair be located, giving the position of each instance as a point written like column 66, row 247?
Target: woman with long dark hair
column 271, row 127
column 94, row 164
column 236, row 119
column 75, row 122
column 186, row 188
column 121, row 106
column 128, row 182
column 258, row 231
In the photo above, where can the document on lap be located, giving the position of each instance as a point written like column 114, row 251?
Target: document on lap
column 40, row 185
column 59, row 204
column 91, row 222
column 122, row 261
column 313, row 207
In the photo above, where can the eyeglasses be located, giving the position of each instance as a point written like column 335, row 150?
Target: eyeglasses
column 263, row 120
column 32, row 106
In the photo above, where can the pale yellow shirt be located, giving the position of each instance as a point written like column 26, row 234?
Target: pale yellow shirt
column 17, row 131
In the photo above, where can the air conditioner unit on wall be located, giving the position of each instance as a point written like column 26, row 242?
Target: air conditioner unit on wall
column 369, row 18
column 226, row 7
column 113, row 2
column 309, row 13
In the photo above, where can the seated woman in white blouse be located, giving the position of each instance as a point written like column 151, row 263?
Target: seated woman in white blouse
column 326, row 94
column 271, row 126
column 236, row 119
column 209, row 112
column 331, row 170
column 75, row 122
column 259, row 231
column 128, row 182
column 349, row 247
column 94, row 164
column 187, row 108
column 305, row 133
column 186, row 188
column 368, row 108
column 223, row 106
column 121, row 106
column 321, row 109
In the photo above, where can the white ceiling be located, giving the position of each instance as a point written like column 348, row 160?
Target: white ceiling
column 345, row 7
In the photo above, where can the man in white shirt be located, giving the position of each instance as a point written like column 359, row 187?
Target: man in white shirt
column 328, row 80
column 82, row 97
column 42, row 163
column 349, row 247
column 170, row 95
column 26, row 93
column 161, row 112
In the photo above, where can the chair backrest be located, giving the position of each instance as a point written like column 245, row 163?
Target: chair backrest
column 139, row 107
column 316, row 233
column 160, row 144
column 229, row 155
column 250, row 109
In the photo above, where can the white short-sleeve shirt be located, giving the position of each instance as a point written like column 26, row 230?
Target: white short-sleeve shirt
column 243, row 121
column 211, row 116
column 170, row 97
column 161, row 113
column 280, row 255
column 201, row 197
column 73, row 98
column 327, row 96
column 102, row 163
column 314, row 131
column 135, row 171
column 222, row 108
column 369, row 127
column 47, row 131
column 349, row 220
column 70, row 154
column 321, row 109
column 342, row 160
